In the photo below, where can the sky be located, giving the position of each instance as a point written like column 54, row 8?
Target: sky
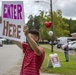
column 32, row 7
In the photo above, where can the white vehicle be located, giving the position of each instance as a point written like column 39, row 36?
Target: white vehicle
column 61, row 41
column 72, row 45
column 64, row 40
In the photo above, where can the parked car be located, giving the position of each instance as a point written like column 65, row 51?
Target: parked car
column 59, row 45
column 54, row 43
column 43, row 42
column 61, row 41
column 1, row 41
column 72, row 45
column 1, row 44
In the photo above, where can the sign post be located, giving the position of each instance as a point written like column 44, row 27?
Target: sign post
column 13, row 20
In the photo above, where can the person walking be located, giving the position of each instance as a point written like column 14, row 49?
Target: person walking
column 65, row 48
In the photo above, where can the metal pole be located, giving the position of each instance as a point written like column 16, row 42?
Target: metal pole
column 52, row 25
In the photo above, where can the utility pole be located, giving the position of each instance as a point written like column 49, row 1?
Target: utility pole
column 52, row 25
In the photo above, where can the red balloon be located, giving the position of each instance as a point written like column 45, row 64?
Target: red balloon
column 48, row 24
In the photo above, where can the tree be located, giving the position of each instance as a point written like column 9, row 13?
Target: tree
column 61, row 28
column 36, row 23
column 30, row 22
column 72, row 25
column 43, row 30
column 33, row 22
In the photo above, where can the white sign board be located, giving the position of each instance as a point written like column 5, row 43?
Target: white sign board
column 0, row 30
column 13, row 20
column 53, row 60
column 0, row 25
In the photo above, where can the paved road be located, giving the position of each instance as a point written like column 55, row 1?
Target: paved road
column 9, row 56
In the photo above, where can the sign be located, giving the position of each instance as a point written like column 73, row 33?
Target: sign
column 0, row 19
column 13, row 20
column 0, row 25
column 53, row 60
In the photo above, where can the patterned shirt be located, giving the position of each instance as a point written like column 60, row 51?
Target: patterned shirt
column 31, row 62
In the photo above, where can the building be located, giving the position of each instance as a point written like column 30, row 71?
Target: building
column 73, row 34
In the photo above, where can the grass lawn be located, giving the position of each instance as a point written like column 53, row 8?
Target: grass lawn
column 67, row 68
